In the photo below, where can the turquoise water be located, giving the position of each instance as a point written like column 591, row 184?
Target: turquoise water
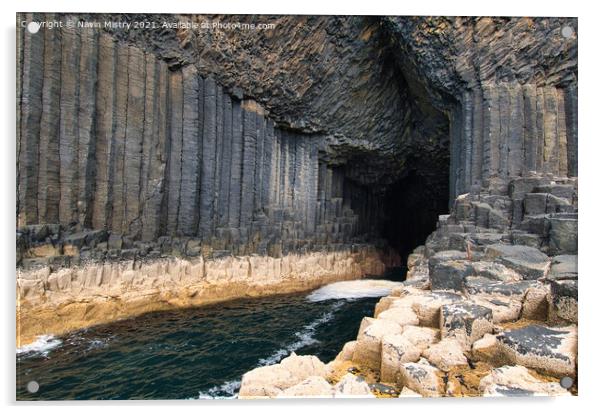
column 192, row 353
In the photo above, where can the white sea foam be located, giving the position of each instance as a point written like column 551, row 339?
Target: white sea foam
column 353, row 289
column 41, row 346
column 305, row 337
column 230, row 388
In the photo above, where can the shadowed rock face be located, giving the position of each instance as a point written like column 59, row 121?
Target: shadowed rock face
column 322, row 131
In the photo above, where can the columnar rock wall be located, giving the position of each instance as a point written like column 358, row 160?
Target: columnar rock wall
column 111, row 138
column 508, row 130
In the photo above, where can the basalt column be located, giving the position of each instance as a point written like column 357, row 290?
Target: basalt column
column 111, row 138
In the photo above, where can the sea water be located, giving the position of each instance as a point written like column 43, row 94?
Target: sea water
column 195, row 353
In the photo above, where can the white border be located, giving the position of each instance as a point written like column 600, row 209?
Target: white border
column 590, row 232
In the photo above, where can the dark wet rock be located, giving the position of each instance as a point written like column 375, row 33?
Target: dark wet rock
column 481, row 285
column 548, row 350
column 564, row 300
column 563, row 233
column 563, row 267
column 465, row 322
column 530, row 262
column 449, row 275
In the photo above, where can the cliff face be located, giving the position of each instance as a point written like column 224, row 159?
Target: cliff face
column 293, row 138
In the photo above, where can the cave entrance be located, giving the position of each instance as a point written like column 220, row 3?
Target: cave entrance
column 411, row 206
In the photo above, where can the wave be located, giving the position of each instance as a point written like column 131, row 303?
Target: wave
column 41, row 346
column 228, row 390
column 304, row 337
column 353, row 289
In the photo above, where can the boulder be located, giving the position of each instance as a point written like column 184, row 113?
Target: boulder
column 503, row 309
column 564, row 300
column 449, row 275
column 396, row 350
column 563, row 267
column 516, row 381
column 465, row 322
column 493, row 288
column 422, row 378
column 494, row 271
column 314, row 387
column 487, row 349
column 265, row 382
column 563, row 233
column 351, row 386
column 551, row 351
column 428, row 306
column 271, row 380
column 346, row 353
column 535, row 303
column 408, row 393
column 367, row 352
column 402, row 315
column 528, row 261
column 446, row 354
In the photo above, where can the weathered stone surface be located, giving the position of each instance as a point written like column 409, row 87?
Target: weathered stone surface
column 368, row 348
column 422, row 378
column 563, row 267
column 536, row 303
column 564, row 300
column 527, row 261
column 351, row 386
column 516, row 381
column 271, row 380
column 483, row 286
column 396, row 350
column 313, row 387
column 563, row 233
column 548, row 350
column 465, row 322
column 449, row 275
column 446, row 354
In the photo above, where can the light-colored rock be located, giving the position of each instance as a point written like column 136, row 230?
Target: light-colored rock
column 427, row 307
column 503, row 309
column 420, row 336
column 408, row 393
column 346, row 353
column 303, row 366
column 446, row 354
column 486, row 349
column 351, row 386
column 396, row 350
column 551, row 351
column 314, row 387
column 535, row 303
column 272, row 380
column 516, row 381
column 422, row 378
column 401, row 315
column 367, row 350
column 266, row 382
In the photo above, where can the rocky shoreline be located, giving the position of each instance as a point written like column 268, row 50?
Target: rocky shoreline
column 489, row 308
column 54, row 297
